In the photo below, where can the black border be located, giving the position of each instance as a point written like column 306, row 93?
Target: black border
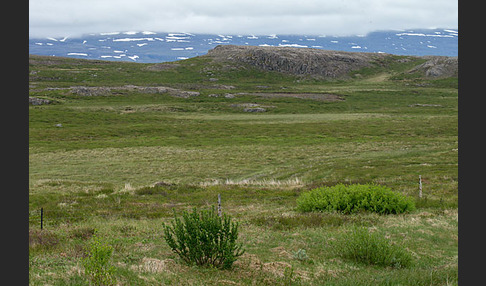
column 15, row 143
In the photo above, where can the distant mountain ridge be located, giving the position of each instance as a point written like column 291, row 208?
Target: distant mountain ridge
column 155, row 47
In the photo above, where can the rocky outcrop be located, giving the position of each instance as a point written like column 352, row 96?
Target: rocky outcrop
column 437, row 66
column 296, row 61
column 103, row 90
column 38, row 101
column 90, row 90
column 323, row 63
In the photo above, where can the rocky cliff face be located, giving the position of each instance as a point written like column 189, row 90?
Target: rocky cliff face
column 320, row 63
column 297, row 61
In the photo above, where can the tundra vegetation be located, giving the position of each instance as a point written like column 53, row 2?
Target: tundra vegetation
column 117, row 148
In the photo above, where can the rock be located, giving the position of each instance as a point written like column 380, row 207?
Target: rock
column 90, row 90
column 249, row 107
column 103, row 90
column 38, row 101
column 182, row 93
column 226, row 86
column 255, row 109
column 213, row 79
column 152, row 89
column 425, row 105
column 246, row 105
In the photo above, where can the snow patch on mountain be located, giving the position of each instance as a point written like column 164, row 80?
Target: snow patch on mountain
column 150, row 46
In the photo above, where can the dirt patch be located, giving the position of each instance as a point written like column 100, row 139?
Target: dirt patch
column 280, row 251
column 251, row 261
column 276, row 268
column 42, row 238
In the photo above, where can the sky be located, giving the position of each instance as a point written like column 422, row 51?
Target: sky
column 57, row 18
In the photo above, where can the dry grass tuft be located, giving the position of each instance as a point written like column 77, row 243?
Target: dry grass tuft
column 42, row 238
column 289, row 183
column 155, row 265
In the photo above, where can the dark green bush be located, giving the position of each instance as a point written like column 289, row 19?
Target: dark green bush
column 371, row 248
column 203, row 238
column 354, row 198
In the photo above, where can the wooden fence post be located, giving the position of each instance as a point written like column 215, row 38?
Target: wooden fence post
column 420, row 186
column 219, row 205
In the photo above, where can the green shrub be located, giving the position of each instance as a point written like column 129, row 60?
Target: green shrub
column 203, row 238
column 354, row 198
column 363, row 246
column 97, row 263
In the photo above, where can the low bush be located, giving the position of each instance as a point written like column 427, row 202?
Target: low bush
column 97, row 264
column 355, row 198
column 204, row 238
column 371, row 248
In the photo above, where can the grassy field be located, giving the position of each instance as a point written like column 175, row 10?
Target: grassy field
column 94, row 160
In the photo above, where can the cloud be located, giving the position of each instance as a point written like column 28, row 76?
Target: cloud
column 338, row 17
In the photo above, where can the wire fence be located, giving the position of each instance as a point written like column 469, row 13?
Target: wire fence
column 45, row 217
column 49, row 218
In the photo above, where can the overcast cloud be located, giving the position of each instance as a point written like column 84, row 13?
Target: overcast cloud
column 52, row 18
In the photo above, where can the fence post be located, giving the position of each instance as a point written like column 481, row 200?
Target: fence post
column 42, row 217
column 420, row 186
column 219, row 205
